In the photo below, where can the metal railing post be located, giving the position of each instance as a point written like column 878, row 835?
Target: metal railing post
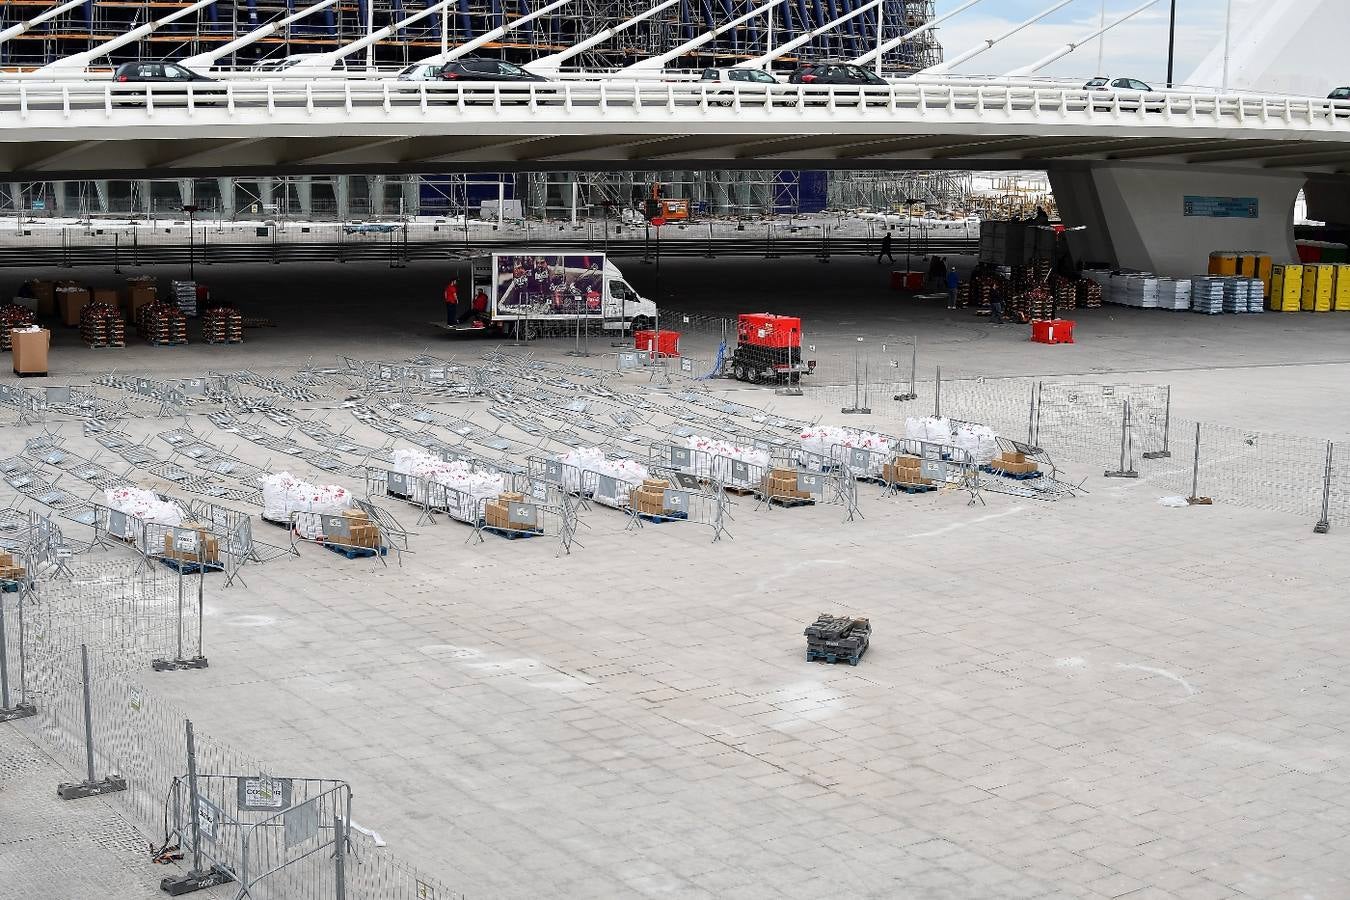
column 89, row 787
column 339, row 857
column 1322, row 527
column 1126, row 469
column 937, row 394
column 22, row 709
column 1195, row 499
column 1165, row 452
column 911, row 394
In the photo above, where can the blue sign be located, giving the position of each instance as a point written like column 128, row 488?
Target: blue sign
column 1221, row 207
column 39, row 204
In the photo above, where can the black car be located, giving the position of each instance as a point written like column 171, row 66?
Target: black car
column 170, row 73
column 836, row 73
column 205, row 90
column 475, row 69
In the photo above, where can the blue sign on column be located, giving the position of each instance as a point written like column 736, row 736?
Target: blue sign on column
column 1221, row 207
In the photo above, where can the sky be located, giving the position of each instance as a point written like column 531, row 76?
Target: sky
column 1136, row 48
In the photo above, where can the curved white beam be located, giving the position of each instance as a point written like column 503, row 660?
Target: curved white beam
column 949, row 64
column 22, row 27
column 208, row 59
column 81, row 61
column 881, row 50
column 1070, row 47
column 658, row 62
column 553, row 61
column 762, row 60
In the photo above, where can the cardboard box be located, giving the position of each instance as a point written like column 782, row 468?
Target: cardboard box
column 495, row 514
column 208, row 546
column 6, row 560
column 70, row 301
column 355, row 515
column 907, row 462
column 511, row 497
column 106, row 295
column 30, row 351
column 45, row 292
column 139, row 294
column 655, row 484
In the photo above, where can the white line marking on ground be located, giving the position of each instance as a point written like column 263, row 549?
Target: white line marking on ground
column 1190, row 691
column 955, row 525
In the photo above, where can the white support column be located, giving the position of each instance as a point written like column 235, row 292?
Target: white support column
column 375, row 190
column 225, row 186
column 501, row 203
column 304, row 195
column 342, row 195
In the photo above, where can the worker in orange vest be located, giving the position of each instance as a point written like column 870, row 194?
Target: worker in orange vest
column 451, row 300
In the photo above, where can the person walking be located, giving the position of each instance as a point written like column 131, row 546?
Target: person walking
column 953, row 282
column 885, row 249
column 451, row 300
column 996, row 307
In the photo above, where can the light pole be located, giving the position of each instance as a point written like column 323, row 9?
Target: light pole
column 192, row 241
column 1171, row 42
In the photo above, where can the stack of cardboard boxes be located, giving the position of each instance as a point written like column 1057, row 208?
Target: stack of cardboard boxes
column 70, row 299
column 363, row 533
column 1013, row 464
column 140, row 292
column 207, row 550
column 782, row 484
column 904, row 470
column 8, row 570
column 650, row 498
column 497, row 513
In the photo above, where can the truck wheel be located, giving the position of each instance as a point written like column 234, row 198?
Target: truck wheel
column 739, row 371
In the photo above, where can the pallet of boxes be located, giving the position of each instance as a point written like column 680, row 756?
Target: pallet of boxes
column 904, row 473
column 363, row 536
column 497, row 517
column 649, row 501
column 837, row 638
column 11, row 574
column 1014, row 465
column 780, row 486
column 191, row 554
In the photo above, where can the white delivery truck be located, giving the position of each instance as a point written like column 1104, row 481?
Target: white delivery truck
column 525, row 291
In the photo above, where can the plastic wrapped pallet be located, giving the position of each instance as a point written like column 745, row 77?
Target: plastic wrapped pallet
column 1207, row 296
column 469, row 488
column 284, row 494
column 828, row 441
column 934, row 430
column 714, row 458
column 627, row 473
column 980, row 441
column 147, row 507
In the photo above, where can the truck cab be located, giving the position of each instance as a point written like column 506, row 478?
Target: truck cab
column 623, row 304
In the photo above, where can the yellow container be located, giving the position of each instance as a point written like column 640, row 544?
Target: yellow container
column 1247, row 266
column 1263, row 267
column 1286, row 288
column 1319, row 283
column 1341, row 299
column 1223, row 263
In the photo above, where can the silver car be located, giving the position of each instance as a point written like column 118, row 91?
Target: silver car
column 744, row 82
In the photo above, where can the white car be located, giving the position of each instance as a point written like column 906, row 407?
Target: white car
column 302, row 63
column 1107, row 86
column 739, row 80
column 421, row 71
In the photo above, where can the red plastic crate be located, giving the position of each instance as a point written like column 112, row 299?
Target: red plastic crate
column 768, row 330
column 667, row 342
column 1052, row 331
column 907, row 281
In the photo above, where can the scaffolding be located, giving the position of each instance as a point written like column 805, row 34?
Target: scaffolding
column 87, row 25
column 909, row 191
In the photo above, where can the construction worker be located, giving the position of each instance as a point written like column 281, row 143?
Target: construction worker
column 477, row 309
column 451, row 300
column 885, row 249
column 953, row 282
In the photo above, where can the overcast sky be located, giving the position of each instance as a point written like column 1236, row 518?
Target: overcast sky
column 1137, row 48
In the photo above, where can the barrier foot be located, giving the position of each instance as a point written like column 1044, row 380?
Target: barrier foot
column 174, row 665
column 194, row 881
column 857, row 410
column 905, row 397
column 110, row 785
column 1202, row 501
column 20, row 711
column 1121, row 473
column 1158, row 454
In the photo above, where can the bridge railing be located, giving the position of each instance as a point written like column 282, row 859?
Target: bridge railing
column 951, row 101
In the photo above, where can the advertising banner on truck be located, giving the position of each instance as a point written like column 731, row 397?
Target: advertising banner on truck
column 540, row 285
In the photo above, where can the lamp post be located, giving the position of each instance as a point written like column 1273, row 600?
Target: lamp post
column 1171, row 42
column 191, row 210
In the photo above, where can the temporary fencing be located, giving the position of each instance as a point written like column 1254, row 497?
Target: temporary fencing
column 275, row 837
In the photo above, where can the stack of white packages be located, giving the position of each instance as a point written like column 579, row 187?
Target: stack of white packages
column 284, row 494
column 145, row 506
column 714, row 458
column 185, row 295
column 1207, row 296
column 979, row 440
column 472, row 487
column 832, row 442
column 1174, row 293
column 1136, row 290
column 933, row 429
column 627, row 473
column 1243, row 295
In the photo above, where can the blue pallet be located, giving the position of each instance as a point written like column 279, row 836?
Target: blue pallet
column 1015, row 477
column 356, row 552
column 190, row 568
column 9, row 587
column 509, row 534
column 914, row 488
column 814, row 655
column 650, row 517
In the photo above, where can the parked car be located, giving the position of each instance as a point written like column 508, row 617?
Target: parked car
column 471, row 68
column 742, row 80
column 836, row 73
column 421, row 71
column 1106, row 85
column 204, row 88
column 1342, row 105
